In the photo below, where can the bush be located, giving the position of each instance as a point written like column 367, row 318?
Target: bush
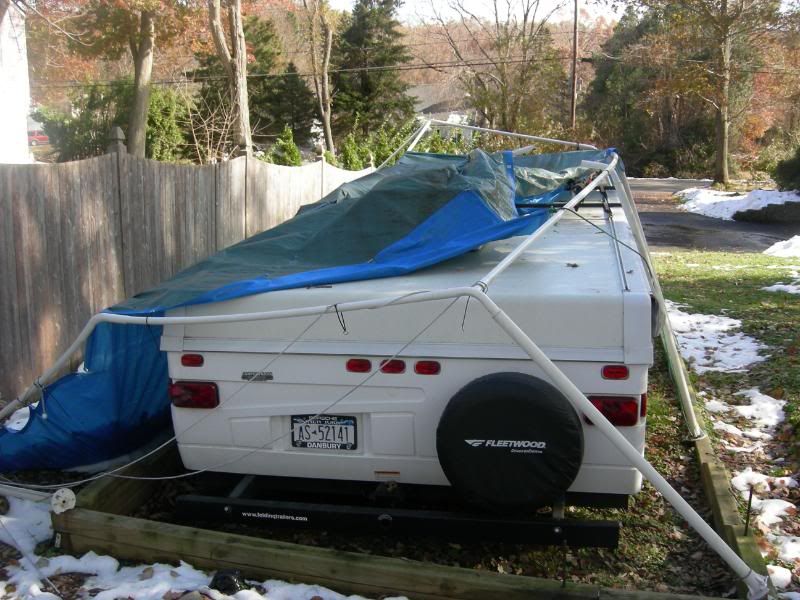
column 83, row 132
column 284, row 151
column 354, row 155
column 787, row 172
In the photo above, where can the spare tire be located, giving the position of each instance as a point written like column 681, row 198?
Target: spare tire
column 510, row 441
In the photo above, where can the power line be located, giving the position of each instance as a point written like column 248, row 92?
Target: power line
column 386, row 68
column 393, row 68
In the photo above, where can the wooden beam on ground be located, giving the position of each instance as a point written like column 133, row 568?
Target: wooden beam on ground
column 716, row 481
column 81, row 530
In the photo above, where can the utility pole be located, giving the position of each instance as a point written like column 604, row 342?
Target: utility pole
column 573, row 103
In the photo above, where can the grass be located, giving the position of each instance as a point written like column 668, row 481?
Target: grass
column 730, row 284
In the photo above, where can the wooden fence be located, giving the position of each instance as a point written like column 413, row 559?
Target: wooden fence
column 78, row 237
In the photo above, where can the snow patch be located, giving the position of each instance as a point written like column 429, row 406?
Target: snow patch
column 147, row 582
column 781, row 577
column 708, row 343
column 787, row 546
column 765, row 411
column 26, row 524
column 786, row 249
column 744, row 479
column 717, row 406
column 18, row 419
column 728, row 428
column 789, row 288
column 772, row 511
column 723, row 205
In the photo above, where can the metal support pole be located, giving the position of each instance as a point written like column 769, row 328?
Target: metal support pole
column 523, row 136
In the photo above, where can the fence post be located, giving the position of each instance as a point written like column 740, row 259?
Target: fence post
column 322, row 176
column 116, row 147
column 116, row 141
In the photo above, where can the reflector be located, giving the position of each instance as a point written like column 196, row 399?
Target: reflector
column 359, row 365
column 194, row 394
column 615, row 372
column 427, row 367
column 622, row 411
column 192, row 360
column 393, row 366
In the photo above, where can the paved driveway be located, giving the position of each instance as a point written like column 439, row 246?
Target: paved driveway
column 647, row 186
column 666, row 226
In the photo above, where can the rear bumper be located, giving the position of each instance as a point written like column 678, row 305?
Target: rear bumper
column 607, row 479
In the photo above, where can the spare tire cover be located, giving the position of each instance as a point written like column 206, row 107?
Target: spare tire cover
column 510, row 441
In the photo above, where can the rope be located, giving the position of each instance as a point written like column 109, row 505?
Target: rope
column 38, row 383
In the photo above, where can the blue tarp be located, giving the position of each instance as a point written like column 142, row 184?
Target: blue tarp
column 422, row 211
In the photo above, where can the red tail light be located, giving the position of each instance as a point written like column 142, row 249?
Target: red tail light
column 192, row 360
column 359, row 365
column 427, row 367
column 393, row 366
column 643, row 406
column 615, row 372
column 622, row 411
column 194, row 394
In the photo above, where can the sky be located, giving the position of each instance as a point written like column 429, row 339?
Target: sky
column 415, row 11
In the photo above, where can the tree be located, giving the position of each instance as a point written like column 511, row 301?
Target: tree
column 114, row 28
column 787, row 172
column 286, row 100
column 647, row 96
column 83, row 131
column 263, row 49
column 368, row 89
column 319, row 33
column 508, row 65
column 274, row 99
column 216, row 103
column 727, row 26
column 234, row 62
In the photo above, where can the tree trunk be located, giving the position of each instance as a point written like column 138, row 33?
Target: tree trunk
column 320, row 75
column 235, row 64
column 244, row 137
column 326, row 90
column 723, row 112
column 143, row 70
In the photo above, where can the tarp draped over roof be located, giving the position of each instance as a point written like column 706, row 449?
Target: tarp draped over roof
column 422, row 211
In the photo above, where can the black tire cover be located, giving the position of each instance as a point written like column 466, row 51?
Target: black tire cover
column 510, row 441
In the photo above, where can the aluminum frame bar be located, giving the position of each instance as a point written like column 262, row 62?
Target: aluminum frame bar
column 524, row 136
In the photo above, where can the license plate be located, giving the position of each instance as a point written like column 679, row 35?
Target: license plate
column 325, row 432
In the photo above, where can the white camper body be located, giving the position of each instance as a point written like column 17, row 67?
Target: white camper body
column 584, row 299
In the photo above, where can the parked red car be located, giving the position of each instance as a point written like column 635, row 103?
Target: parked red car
column 37, row 138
